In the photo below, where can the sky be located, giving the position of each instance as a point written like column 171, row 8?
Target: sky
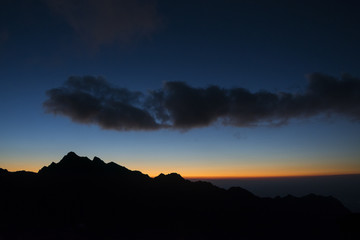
column 201, row 88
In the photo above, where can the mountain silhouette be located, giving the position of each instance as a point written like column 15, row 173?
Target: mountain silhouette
column 73, row 165
column 79, row 198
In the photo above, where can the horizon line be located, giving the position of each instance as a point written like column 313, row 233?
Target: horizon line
column 193, row 177
column 269, row 176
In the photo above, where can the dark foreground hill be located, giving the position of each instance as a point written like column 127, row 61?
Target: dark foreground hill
column 79, row 198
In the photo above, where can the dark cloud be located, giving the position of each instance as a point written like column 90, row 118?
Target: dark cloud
column 92, row 100
column 189, row 107
column 102, row 22
column 179, row 106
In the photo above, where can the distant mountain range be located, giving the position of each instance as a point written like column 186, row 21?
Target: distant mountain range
column 79, row 198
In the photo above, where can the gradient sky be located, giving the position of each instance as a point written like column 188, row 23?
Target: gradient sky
column 139, row 45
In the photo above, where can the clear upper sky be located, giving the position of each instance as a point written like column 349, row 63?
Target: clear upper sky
column 260, row 46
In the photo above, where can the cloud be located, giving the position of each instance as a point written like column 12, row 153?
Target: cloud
column 92, row 100
column 188, row 107
column 179, row 106
column 107, row 21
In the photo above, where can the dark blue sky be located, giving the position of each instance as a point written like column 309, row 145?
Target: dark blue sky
column 139, row 45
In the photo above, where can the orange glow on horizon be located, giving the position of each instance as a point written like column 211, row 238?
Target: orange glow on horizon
column 215, row 175
column 259, row 174
column 268, row 176
column 215, row 171
column 256, row 171
column 16, row 169
column 13, row 165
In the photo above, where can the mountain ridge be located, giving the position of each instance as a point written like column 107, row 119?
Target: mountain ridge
column 71, row 197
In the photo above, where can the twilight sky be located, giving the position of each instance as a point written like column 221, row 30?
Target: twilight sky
column 202, row 88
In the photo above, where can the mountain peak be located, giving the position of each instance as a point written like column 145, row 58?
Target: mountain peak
column 170, row 178
column 98, row 161
column 74, row 166
column 70, row 164
column 73, row 157
column 71, row 154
